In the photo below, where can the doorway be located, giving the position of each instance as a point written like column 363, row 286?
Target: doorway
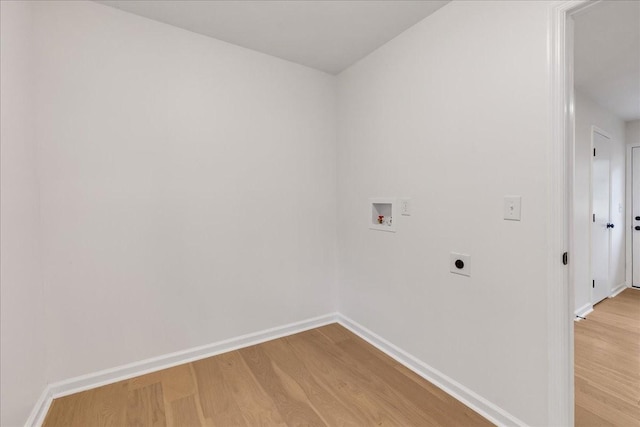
column 603, row 41
column 565, row 280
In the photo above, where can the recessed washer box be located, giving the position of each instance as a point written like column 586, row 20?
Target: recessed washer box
column 381, row 214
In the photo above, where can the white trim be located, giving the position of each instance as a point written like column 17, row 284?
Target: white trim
column 109, row 376
column 560, row 286
column 616, row 291
column 473, row 400
column 630, row 221
column 40, row 409
column 588, row 307
column 560, row 178
column 584, row 310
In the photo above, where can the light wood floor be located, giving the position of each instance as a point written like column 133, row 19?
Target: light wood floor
column 326, row 376
column 607, row 363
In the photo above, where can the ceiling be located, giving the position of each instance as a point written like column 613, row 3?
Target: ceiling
column 326, row 35
column 607, row 56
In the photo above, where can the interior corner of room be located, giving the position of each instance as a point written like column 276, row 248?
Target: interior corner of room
column 187, row 180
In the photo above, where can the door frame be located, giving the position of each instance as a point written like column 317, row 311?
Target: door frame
column 629, row 214
column 594, row 130
column 560, row 283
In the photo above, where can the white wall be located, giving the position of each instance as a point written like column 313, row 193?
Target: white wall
column 453, row 113
column 188, row 188
column 22, row 352
column 588, row 114
column 632, row 132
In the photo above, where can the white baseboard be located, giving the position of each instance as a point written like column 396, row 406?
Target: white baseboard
column 109, row 376
column 36, row 418
column 476, row 402
column 617, row 290
column 584, row 310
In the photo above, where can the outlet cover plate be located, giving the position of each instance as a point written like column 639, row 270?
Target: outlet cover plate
column 466, row 259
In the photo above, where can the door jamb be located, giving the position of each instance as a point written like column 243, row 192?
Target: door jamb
column 628, row 234
column 560, row 300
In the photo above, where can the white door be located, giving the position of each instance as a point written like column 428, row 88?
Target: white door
column 600, row 234
column 635, row 212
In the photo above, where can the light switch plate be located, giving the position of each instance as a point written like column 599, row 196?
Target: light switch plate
column 512, row 208
column 463, row 269
column 405, row 207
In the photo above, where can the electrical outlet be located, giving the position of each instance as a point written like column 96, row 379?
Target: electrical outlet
column 460, row 264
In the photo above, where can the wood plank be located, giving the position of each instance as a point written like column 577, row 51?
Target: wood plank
column 381, row 397
column 444, row 409
column 145, row 407
column 585, row 418
column 70, row 410
column 110, row 402
column 335, row 332
column 607, row 363
column 291, row 401
column 258, row 408
column 177, row 382
column 144, row 380
column 326, row 402
column 214, row 394
column 103, row 406
column 185, row 413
